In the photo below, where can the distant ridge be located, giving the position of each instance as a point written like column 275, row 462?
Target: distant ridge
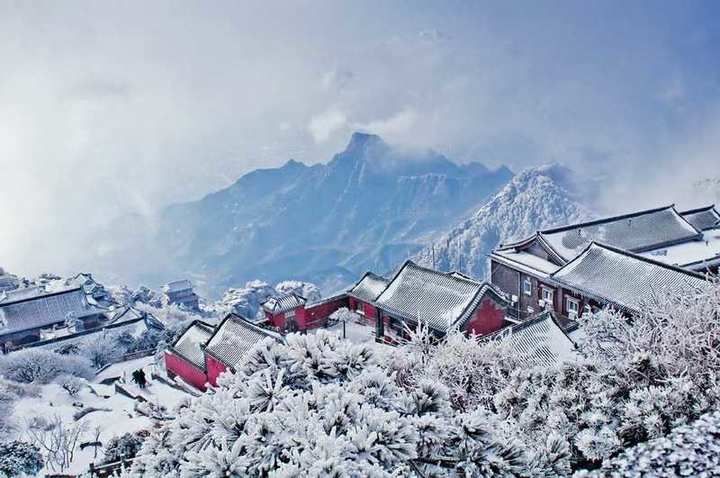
column 370, row 207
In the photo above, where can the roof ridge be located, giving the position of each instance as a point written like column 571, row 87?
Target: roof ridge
column 192, row 324
column 698, row 231
column 41, row 296
column 697, row 209
column 631, row 255
column 594, row 222
column 444, row 274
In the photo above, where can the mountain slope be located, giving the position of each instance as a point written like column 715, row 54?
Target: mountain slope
column 370, row 207
column 534, row 199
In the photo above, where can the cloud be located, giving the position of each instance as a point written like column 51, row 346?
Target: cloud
column 323, row 125
column 133, row 109
column 397, row 124
column 337, row 80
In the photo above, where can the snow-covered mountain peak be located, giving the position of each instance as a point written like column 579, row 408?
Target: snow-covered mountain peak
column 534, row 199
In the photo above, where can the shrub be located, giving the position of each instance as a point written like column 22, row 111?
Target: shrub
column 123, row 447
column 72, row 385
column 42, row 366
column 19, row 458
column 100, row 349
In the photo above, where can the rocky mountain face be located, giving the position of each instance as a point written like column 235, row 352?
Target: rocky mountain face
column 534, row 199
column 370, row 207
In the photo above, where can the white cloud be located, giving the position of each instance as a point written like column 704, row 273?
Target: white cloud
column 397, row 124
column 325, row 124
column 132, row 108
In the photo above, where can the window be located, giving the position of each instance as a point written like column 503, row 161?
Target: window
column 527, row 286
column 572, row 306
column 548, row 296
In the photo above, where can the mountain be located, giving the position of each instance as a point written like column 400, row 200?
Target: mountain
column 534, row 199
column 370, row 207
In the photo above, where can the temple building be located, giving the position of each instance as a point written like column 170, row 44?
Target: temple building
column 619, row 261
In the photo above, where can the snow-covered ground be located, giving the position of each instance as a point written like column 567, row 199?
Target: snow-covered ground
column 116, row 412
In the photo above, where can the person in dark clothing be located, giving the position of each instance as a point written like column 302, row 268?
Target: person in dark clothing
column 138, row 376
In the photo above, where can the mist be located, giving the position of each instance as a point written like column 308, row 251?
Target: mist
column 109, row 109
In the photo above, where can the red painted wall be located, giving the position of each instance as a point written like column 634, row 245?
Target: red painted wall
column 276, row 320
column 370, row 312
column 488, row 317
column 189, row 372
column 316, row 315
column 214, row 369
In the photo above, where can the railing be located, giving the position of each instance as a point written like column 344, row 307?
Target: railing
column 108, row 469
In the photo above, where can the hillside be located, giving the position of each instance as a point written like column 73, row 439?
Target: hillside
column 534, row 199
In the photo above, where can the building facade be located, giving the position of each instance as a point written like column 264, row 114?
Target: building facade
column 651, row 250
column 181, row 293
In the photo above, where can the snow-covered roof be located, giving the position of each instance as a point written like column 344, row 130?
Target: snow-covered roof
column 284, row 303
column 622, row 278
column 636, row 232
column 126, row 312
column 438, row 299
column 47, row 309
column 703, row 218
column 8, row 296
column 189, row 344
column 541, row 341
column 369, row 287
column 128, row 323
column 177, row 286
column 694, row 255
column 528, row 262
column 8, row 281
column 234, row 337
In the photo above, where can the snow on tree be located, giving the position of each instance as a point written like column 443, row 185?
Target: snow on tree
column 145, row 295
column 10, row 393
column 681, row 331
column 42, row 366
column 322, row 406
column 100, row 349
column 72, row 385
column 18, row 458
column 304, row 289
column 244, row 301
column 124, row 447
column 343, row 314
column 688, row 450
column 318, row 405
column 57, row 440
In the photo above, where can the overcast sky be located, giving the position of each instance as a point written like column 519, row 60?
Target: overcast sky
column 110, row 107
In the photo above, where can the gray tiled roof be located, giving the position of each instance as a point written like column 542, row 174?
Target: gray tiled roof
column 234, row 337
column 623, row 278
column 190, row 343
column 635, row 232
column 44, row 310
column 541, row 341
column 177, row 286
column 8, row 296
column 702, row 218
column 438, row 299
column 284, row 303
column 369, row 287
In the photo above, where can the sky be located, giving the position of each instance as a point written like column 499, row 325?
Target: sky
column 110, row 108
